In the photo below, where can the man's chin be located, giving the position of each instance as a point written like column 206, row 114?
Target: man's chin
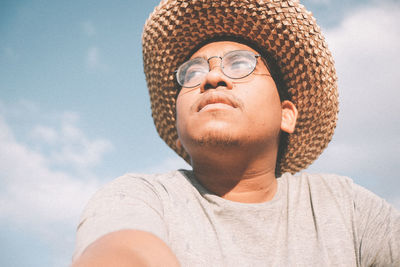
column 217, row 139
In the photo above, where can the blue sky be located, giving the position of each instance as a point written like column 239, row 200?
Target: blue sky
column 75, row 112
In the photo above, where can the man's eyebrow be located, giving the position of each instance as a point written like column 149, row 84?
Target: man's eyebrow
column 218, row 56
column 204, row 56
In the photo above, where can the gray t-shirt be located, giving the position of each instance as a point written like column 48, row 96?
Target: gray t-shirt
column 313, row 220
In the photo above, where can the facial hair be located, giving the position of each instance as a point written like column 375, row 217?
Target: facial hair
column 217, row 139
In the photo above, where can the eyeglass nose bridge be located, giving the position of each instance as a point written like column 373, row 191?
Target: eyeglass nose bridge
column 209, row 59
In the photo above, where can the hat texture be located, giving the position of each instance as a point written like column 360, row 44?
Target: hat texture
column 284, row 29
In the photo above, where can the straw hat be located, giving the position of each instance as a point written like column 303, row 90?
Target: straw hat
column 285, row 29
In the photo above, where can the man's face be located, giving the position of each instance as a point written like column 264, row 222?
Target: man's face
column 222, row 112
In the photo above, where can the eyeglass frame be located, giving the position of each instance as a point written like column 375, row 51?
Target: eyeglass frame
column 222, row 69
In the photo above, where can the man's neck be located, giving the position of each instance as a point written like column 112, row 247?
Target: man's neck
column 238, row 179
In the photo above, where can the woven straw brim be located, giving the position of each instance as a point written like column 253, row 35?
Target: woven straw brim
column 285, row 29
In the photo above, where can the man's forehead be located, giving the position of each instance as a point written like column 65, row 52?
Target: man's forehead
column 220, row 48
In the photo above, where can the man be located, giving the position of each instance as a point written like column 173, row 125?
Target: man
column 246, row 92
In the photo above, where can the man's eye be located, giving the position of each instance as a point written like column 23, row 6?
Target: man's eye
column 240, row 65
column 193, row 73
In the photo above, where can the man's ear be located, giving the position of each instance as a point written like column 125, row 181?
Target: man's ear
column 178, row 144
column 289, row 116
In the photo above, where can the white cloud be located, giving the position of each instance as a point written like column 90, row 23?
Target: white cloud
column 367, row 142
column 71, row 146
column 93, row 59
column 32, row 191
column 88, row 28
column 45, row 134
column 10, row 53
column 396, row 202
column 35, row 193
column 19, row 109
column 77, row 150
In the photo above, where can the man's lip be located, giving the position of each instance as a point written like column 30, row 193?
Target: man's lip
column 215, row 98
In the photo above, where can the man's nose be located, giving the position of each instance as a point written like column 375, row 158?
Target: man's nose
column 214, row 79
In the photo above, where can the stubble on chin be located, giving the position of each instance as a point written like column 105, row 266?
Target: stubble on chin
column 217, row 139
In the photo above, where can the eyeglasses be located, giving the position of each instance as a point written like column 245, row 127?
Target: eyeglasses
column 234, row 64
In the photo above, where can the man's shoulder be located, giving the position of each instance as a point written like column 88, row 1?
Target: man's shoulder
column 326, row 179
column 132, row 183
column 321, row 185
column 319, row 179
column 153, row 178
column 154, row 189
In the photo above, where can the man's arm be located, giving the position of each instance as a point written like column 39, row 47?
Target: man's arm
column 127, row 248
column 128, row 202
column 378, row 227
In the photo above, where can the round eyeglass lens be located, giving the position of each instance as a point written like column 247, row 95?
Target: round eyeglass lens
column 239, row 64
column 192, row 72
